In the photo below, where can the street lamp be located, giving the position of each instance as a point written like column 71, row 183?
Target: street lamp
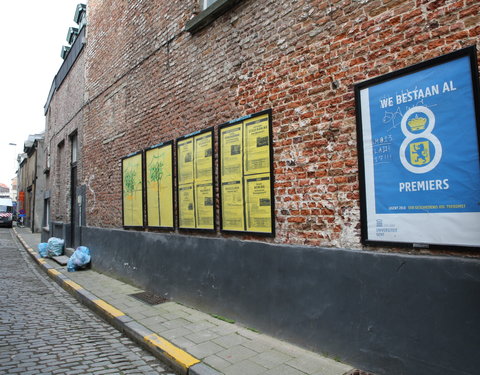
column 13, row 144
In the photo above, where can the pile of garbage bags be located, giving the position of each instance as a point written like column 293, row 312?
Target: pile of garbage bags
column 55, row 246
column 42, row 249
column 79, row 259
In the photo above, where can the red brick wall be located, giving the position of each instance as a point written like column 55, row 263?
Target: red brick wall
column 65, row 116
column 148, row 81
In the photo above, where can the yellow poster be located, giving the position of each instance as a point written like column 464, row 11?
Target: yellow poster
column 203, row 157
column 257, row 145
column 231, row 146
column 186, row 213
column 258, row 203
column 204, row 205
column 232, row 206
column 159, row 183
column 132, row 191
column 185, row 161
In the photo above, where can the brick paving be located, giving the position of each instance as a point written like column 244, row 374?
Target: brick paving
column 44, row 330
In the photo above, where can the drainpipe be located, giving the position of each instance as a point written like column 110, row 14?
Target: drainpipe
column 34, row 192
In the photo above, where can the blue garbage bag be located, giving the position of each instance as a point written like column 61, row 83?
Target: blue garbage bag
column 79, row 259
column 42, row 249
column 55, row 247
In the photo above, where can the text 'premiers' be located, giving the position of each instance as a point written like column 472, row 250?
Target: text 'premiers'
column 426, row 185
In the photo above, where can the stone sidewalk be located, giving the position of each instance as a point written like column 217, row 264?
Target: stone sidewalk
column 193, row 342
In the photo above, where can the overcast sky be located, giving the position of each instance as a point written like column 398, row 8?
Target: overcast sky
column 32, row 34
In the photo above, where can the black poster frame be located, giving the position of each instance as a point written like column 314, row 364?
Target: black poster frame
column 469, row 52
column 143, row 190
column 192, row 136
column 271, row 174
column 159, row 145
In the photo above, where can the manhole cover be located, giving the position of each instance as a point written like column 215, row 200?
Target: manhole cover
column 150, row 298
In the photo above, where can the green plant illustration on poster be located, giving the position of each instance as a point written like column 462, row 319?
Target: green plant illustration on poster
column 129, row 183
column 156, row 175
column 132, row 191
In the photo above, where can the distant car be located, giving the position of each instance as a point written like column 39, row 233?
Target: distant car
column 6, row 212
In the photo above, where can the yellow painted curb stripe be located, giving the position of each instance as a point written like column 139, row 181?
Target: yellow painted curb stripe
column 108, row 308
column 72, row 284
column 180, row 356
column 42, row 261
column 54, row 272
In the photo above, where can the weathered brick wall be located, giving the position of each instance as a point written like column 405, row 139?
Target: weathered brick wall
column 148, row 81
column 65, row 115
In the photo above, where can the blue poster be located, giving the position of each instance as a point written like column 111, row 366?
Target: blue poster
column 424, row 141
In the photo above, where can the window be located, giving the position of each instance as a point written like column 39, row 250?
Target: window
column 46, row 213
column 210, row 11
column 46, row 170
column 74, row 144
column 6, row 209
column 207, row 3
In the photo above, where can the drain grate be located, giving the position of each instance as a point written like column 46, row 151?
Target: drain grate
column 150, row 298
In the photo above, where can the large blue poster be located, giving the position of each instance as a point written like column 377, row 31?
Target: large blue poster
column 422, row 165
column 425, row 143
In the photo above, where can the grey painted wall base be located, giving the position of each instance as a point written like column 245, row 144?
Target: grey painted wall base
column 60, row 230
column 386, row 313
column 45, row 235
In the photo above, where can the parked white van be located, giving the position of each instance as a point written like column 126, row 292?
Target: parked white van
column 6, row 212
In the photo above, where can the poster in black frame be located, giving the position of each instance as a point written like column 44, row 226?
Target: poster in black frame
column 155, row 172
column 196, row 181
column 418, row 134
column 132, row 190
column 235, row 177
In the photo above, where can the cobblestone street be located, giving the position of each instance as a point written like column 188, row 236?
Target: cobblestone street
column 43, row 330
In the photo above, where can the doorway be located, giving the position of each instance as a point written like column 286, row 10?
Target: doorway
column 74, row 217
